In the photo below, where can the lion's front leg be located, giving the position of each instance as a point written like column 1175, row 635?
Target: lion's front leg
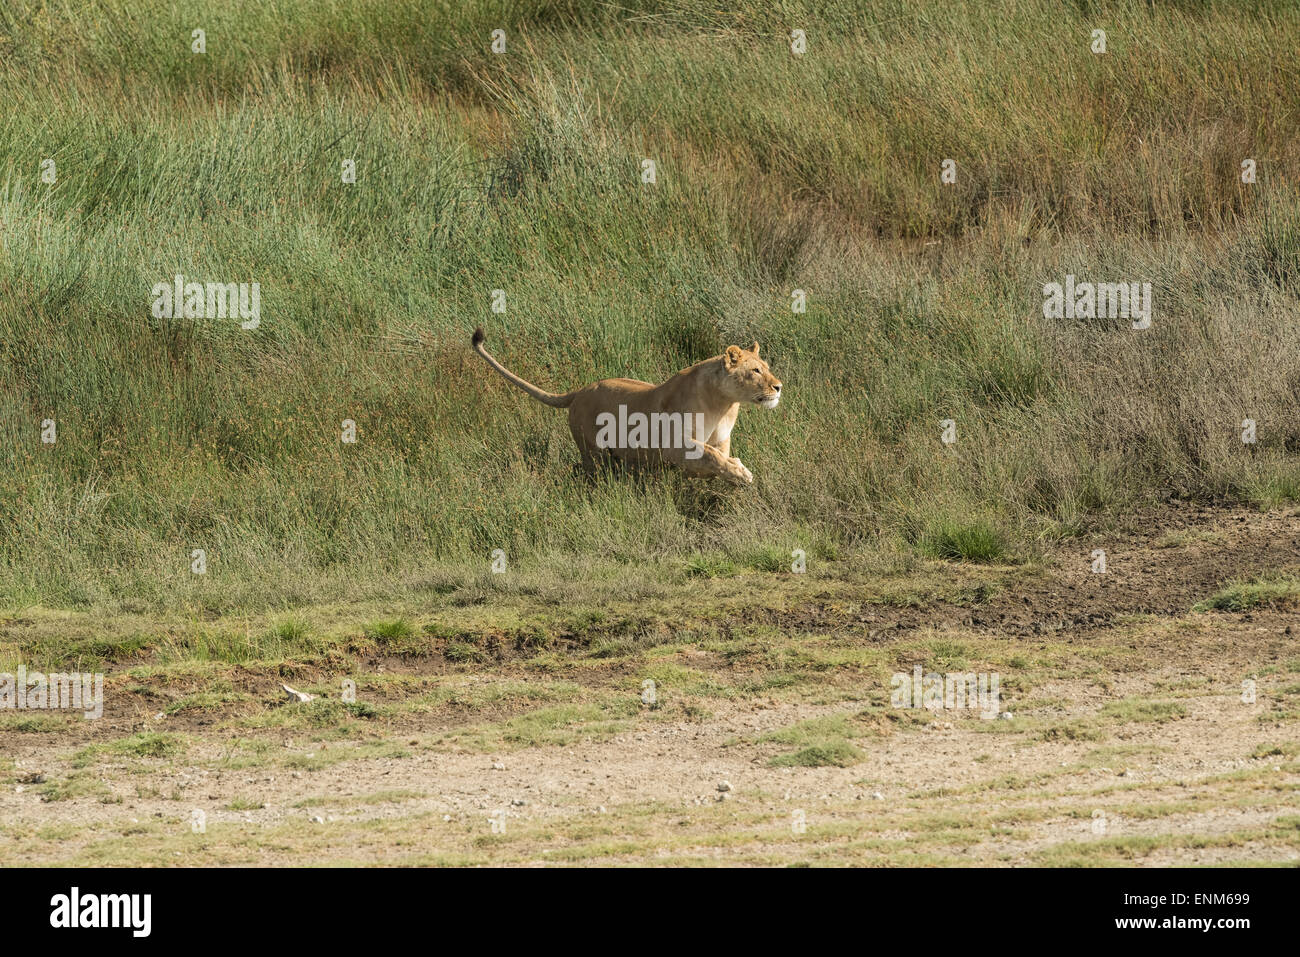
column 743, row 475
column 712, row 463
column 721, row 437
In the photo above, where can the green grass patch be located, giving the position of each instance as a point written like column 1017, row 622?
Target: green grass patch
column 1274, row 591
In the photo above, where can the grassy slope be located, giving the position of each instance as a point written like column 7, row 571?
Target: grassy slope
column 521, row 172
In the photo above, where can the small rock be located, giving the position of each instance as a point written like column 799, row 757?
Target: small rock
column 724, row 786
column 498, row 766
column 877, row 796
column 1006, row 716
column 317, row 819
column 294, row 695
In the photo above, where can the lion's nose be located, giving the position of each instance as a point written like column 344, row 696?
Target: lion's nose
column 777, row 387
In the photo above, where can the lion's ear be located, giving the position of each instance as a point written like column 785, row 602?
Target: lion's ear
column 732, row 356
column 754, row 348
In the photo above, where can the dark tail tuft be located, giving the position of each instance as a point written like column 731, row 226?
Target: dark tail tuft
column 478, row 336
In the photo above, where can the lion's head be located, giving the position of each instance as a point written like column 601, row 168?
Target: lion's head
column 748, row 379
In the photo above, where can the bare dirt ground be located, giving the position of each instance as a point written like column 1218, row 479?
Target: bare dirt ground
column 1138, row 731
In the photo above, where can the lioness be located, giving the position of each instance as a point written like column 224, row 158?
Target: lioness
column 686, row 421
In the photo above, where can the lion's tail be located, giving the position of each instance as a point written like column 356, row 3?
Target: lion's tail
column 558, row 401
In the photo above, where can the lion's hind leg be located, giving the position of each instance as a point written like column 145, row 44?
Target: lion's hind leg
column 590, row 456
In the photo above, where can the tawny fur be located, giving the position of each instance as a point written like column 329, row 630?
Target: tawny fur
column 715, row 387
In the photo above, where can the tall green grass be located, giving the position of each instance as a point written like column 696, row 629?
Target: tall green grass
column 522, row 172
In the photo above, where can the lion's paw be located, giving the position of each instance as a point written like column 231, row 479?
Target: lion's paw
column 736, row 472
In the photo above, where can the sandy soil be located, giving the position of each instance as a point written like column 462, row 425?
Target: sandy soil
column 1062, row 780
